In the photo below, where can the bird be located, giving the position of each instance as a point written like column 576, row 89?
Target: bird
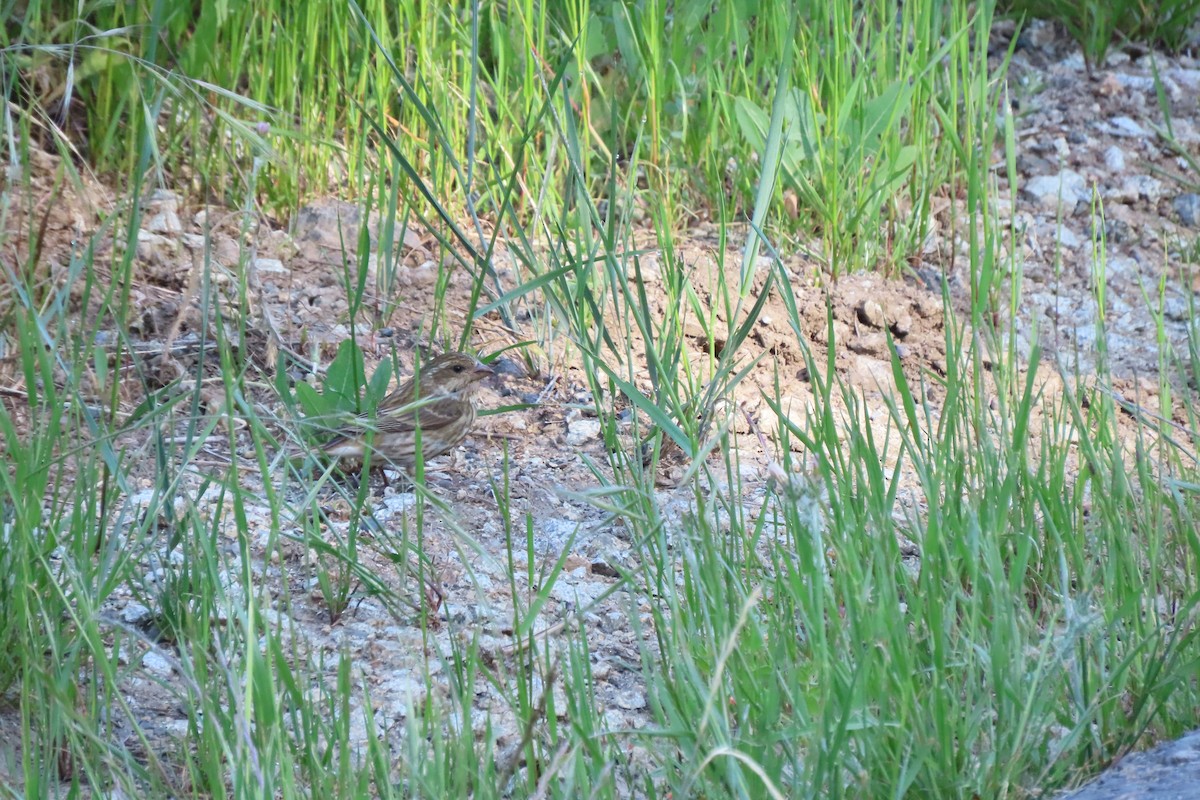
column 439, row 400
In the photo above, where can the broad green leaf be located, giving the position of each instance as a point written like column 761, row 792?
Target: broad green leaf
column 377, row 388
column 312, row 402
column 345, row 375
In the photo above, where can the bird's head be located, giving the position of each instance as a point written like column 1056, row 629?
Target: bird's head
column 451, row 373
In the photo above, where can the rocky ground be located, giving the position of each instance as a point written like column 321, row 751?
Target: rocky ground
column 1085, row 140
column 1097, row 151
column 1170, row 771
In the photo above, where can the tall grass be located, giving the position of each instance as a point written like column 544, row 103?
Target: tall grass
column 1098, row 27
column 788, row 644
column 683, row 87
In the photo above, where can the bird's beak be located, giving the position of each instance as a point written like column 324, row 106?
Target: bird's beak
column 482, row 370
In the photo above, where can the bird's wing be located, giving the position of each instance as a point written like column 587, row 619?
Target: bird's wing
column 432, row 414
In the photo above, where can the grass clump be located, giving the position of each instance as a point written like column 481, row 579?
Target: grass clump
column 312, row 89
column 982, row 585
column 1097, row 26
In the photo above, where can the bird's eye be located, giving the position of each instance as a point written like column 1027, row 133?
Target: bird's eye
column 458, row 367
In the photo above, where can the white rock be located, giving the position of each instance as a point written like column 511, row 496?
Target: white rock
column 269, row 265
column 1050, row 191
column 135, row 613
column 1114, row 158
column 582, row 431
column 1124, row 126
column 157, row 665
column 399, row 503
column 1073, row 63
column 1189, row 78
column 631, row 699
column 1134, row 188
column 154, row 248
column 165, row 222
column 1059, row 233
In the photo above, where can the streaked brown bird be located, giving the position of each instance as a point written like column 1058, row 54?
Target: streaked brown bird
column 440, row 400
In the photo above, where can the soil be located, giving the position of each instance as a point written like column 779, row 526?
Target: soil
column 298, row 307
